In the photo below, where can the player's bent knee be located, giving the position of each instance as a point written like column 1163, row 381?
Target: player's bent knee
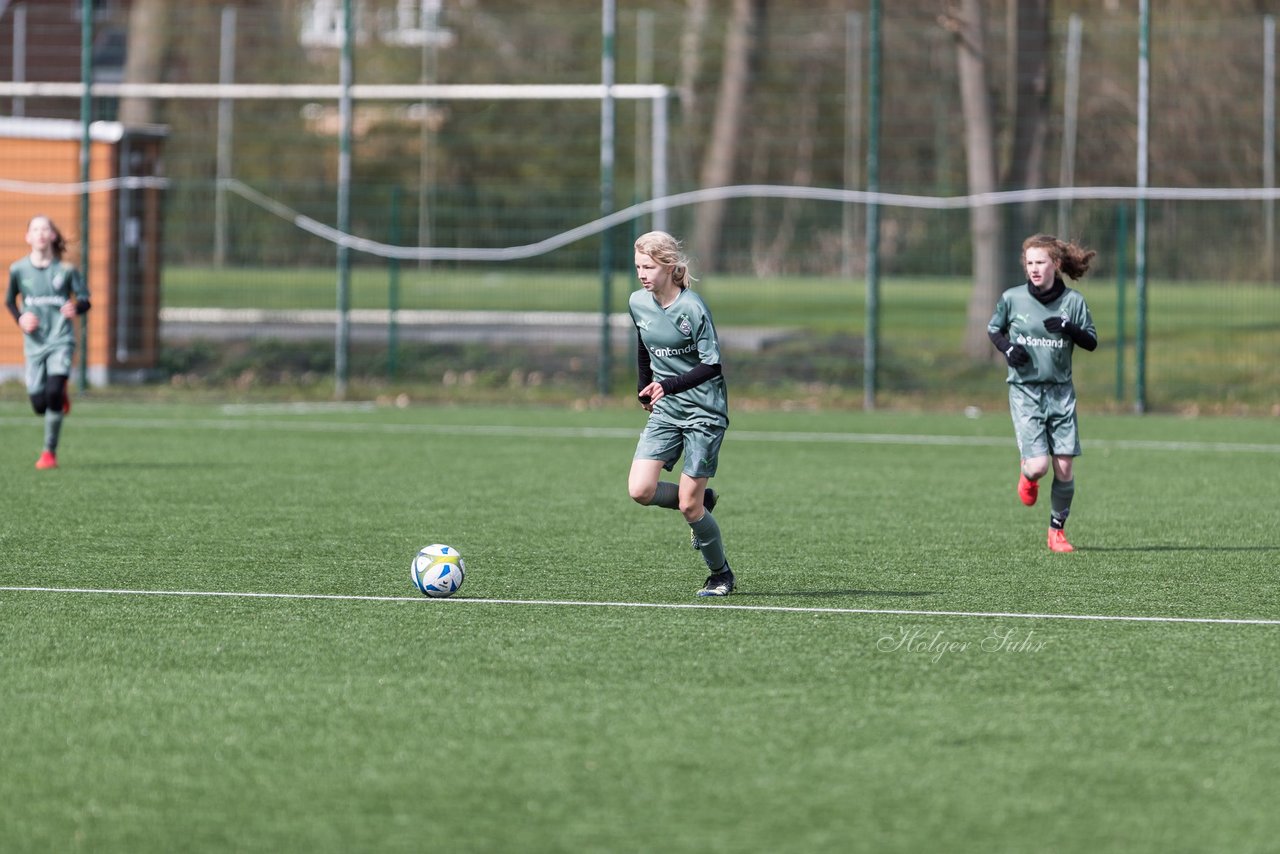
column 641, row 493
column 1035, row 469
column 38, row 404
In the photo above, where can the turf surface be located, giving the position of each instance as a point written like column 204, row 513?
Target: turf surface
column 905, row 667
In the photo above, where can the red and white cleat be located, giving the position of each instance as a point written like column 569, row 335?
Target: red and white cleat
column 1028, row 490
column 1058, row 541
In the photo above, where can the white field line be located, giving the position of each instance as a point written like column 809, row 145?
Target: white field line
column 629, row 433
column 661, row 606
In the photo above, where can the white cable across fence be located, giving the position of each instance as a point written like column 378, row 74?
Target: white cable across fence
column 76, row 188
column 651, row 206
column 743, row 191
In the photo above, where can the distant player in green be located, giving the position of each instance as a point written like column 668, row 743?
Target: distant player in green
column 1037, row 326
column 45, row 296
column 681, row 386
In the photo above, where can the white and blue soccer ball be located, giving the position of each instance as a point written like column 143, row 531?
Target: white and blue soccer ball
column 437, row 571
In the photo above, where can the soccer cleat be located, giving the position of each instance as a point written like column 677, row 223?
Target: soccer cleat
column 47, row 461
column 1028, row 490
column 1058, row 541
column 719, row 583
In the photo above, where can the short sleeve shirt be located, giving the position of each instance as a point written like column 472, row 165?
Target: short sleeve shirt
column 678, row 338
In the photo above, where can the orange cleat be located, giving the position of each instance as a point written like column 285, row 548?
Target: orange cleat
column 1028, row 490
column 1058, row 541
column 47, row 461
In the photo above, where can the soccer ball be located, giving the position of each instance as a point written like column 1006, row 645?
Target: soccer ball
column 437, row 571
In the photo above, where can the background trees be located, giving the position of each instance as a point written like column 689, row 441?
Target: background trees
column 762, row 91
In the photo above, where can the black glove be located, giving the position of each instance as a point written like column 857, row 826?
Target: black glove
column 1080, row 336
column 1017, row 355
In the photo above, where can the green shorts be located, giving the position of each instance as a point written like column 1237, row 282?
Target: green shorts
column 1044, row 419
column 666, row 441
column 48, row 362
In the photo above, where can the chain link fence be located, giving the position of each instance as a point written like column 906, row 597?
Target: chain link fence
column 785, row 277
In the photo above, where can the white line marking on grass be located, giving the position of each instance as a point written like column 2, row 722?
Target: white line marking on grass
column 672, row 606
column 298, row 407
column 629, row 434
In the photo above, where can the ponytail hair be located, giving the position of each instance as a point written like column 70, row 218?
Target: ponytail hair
column 1067, row 256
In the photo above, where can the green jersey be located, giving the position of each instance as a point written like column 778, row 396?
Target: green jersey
column 44, row 290
column 677, row 339
column 1020, row 317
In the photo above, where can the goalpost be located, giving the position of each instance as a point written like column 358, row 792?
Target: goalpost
column 658, row 96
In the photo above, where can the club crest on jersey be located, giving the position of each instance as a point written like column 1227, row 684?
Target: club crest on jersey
column 684, row 324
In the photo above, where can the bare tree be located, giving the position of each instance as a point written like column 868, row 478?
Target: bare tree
column 1029, row 110
column 148, row 42
column 967, row 23
column 691, row 38
column 727, row 129
column 774, row 232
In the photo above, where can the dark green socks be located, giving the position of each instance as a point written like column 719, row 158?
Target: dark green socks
column 1060, row 497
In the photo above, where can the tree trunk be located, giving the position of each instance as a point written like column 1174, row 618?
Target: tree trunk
column 691, row 39
column 968, row 26
column 774, row 231
column 727, row 130
column 1030, row 115
column 148, row 41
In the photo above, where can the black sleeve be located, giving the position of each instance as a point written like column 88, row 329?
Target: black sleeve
column 82, row 305
column 11, row 300
column 644, row 368
column 1082, row 338
column 697, row 375
column 999, row 339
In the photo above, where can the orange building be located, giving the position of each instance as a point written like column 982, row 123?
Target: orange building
column 40, row 174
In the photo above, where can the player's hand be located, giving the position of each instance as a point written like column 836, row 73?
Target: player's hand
column 28, row 322
column 651, row 394
column 1058, row 324
column 68, row 309
column 1017, row 356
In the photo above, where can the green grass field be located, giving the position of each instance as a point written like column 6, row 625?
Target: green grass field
column 906, row 668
